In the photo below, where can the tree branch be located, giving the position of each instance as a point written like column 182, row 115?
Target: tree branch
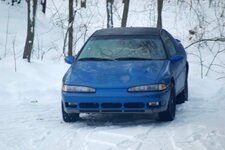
column 206, row 40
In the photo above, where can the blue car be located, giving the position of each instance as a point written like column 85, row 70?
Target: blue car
column 126, row 70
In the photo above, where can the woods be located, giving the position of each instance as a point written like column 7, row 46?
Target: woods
column 35, row 40
column 69, row 35
column 75, row 23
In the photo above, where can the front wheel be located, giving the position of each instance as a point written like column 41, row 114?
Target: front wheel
column 73, row 117
column 170, row 112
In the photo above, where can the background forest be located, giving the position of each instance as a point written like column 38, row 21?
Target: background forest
column 35, row 35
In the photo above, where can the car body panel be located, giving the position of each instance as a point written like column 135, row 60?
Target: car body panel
column 116, row 74
column 178, row 68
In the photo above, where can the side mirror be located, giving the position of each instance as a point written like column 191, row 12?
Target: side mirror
column 69, row 59
column 176, row 58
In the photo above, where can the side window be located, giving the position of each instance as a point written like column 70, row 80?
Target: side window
column 171, row 49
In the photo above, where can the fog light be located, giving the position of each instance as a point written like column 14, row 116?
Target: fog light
column 153, row 104
column 71, row 104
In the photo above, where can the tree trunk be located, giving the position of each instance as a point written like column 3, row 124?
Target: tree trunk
column 71, row 18
column 125, row 12
column 83, row 3
column 13, row 1
column 43, row 3
column 31, row 14
column 160, row 6
column 76, row 3
column 109, row 4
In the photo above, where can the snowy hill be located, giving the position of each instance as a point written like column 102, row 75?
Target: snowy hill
column 30, row 97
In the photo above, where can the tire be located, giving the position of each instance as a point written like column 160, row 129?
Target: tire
column 73, row 117
column 183, row 96
column 170, row 112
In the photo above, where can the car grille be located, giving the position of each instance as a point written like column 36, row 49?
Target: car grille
column 134, row 105
column 89, row 105
column 112, row 107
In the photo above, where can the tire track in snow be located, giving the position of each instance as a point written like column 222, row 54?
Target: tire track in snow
column 137, row 140
column 112, row 134
column 117, row 140
column 124, row 139
column 148, row 134
column 104, row 138
column 65, row 137
column 200, row 137
column 157, row 136
column 111, row 139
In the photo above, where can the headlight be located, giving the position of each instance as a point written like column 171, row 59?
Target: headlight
column 148, row 88
column 71, row 88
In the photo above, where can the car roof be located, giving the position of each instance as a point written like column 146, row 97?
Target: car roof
column 128, row 31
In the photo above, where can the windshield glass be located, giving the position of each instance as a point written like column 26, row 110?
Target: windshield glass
column 123, row 48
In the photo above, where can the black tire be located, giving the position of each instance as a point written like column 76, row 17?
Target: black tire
column 170, row 112
column 73, row 117
column 183, row 96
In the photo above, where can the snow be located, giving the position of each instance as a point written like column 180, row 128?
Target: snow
column 30, row 97
column 31, row 116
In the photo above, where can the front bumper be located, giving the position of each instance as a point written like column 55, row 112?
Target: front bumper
column 115, row 101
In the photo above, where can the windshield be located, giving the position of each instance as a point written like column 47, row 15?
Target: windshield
column 123, row 48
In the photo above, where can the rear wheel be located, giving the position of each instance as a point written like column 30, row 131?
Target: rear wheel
column 170, row 112
column 73, row 117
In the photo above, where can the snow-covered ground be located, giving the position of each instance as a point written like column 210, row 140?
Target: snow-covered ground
column 31, row 116
column 30, row 113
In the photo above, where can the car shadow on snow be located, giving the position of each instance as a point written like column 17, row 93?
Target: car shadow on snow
column 129, row 119
column 119, row 119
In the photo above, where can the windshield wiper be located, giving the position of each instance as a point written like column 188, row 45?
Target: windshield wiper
column 132, row 58
column 95, row 59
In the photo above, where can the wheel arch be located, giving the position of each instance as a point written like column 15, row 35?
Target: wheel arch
column 172, row 81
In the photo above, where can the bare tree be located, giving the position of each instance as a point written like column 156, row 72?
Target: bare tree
column 14, row 53
column 109, row 9
column 44, row 3
column 206, row 40
column 209, row 50
column 125, row 12
column 7, row 33
column 83, row 3
column 18, row 2
column 31, row 15
column 70, row 29
column 159, row 20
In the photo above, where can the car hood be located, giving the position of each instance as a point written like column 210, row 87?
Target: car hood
column 110, row 74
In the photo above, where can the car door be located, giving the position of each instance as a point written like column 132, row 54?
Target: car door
column 178, row 67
